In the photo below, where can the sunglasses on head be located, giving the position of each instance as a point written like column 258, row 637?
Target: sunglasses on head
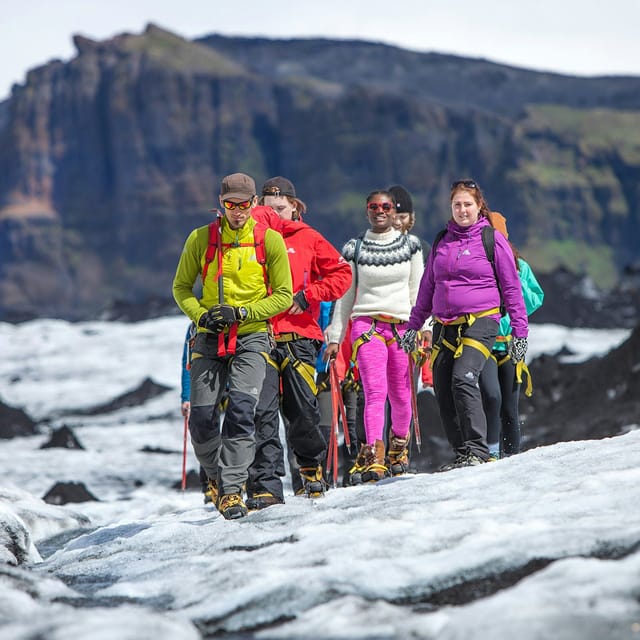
column 464, row 183
column 243, row 206
column 385, row 206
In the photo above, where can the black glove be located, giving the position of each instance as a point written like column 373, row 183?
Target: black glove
column 301, row 301
column 220, row 316
column 518, row 349
column 408, row 340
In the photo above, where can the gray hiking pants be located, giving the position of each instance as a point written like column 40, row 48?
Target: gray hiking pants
column 225, row 454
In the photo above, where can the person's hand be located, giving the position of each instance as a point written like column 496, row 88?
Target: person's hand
column 408, row 340
column 331, row 351
column 299, row 305
column 220, row 316
column 185, row 409
column 518, row 349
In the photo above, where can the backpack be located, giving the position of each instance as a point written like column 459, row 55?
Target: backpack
column 215, row 245
column 489, row 243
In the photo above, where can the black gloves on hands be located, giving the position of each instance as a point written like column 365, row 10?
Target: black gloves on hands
column 220, row 316
column 518, row 349
column 300, row 300
column 408, row 340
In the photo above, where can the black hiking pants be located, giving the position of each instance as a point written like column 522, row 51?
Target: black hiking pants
column 455, row 382
column 290, row 385
column 500, row 397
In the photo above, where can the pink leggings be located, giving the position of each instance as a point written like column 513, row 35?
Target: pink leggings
column 384, row 371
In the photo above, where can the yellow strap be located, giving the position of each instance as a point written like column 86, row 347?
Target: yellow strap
column 358, row 342
column 474, row 344
column 435, row 350
column 306, row 371
column 389, row 319
column 470, row 318
column 520, row 367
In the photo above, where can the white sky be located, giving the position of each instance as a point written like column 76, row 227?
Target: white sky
column 337, row 567
column 584, row 37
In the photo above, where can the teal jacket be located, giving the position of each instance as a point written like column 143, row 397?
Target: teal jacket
column 533, row 296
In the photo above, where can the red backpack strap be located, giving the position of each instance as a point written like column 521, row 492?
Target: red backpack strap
column 259, row 232
column 214, row 242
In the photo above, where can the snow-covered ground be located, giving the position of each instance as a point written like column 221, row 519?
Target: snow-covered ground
column 542, row 545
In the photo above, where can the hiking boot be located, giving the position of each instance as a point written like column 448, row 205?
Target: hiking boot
column 262, row 500
column 472, row 460
column 375, row 468
column 398, row 455
column 313, row 482
column 465, row 460
column 355, row 473
column 232, row 507
column 211, row 492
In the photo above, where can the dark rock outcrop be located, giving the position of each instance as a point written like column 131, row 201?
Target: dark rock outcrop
column 62, row 438
column 109, row 160
column 65, row 492
column 147, row 390
column 15, row 422
column 594, row 399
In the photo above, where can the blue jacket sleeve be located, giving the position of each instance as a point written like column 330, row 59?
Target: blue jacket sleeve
column 185, row 387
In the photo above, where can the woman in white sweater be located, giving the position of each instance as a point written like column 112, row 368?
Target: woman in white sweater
column 387, row 266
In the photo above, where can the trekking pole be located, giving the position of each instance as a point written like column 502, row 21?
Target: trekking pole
column 332, row 449
column 414, row 403
column 184, row 453
column 332, row 453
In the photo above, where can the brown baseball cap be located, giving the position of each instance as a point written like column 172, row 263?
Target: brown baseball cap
column 237, row 185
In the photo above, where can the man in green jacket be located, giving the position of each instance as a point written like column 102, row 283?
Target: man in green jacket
column 240, row 292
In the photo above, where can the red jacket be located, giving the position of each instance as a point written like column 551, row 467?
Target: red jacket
column 317, row 268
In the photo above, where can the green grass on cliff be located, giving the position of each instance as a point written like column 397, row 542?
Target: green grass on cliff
column 597, row 262
column 173, row 52
column 592, row 130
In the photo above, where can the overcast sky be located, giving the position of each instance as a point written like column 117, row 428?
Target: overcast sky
column 585, row 37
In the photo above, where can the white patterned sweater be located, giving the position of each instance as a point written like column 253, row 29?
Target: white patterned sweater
column 389, row 270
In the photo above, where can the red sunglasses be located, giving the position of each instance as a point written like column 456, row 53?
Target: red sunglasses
column 385, row 206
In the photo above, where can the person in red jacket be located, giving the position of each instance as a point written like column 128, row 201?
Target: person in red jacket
column 319, row 273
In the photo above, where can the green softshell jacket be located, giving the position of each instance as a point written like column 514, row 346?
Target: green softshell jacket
column 242, row 275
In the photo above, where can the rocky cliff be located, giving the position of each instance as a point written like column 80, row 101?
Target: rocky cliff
column 107, row 161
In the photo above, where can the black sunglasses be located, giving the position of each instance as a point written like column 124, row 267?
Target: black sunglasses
column 464, row 183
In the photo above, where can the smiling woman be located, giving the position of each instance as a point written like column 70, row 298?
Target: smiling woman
column 387, row 266
column 465, row 291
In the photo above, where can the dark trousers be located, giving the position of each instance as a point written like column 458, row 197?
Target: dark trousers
column 226, row 452
column 290, row 378
column 455, row 382
column 500, row 397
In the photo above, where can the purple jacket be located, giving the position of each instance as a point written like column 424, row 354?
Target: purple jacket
column 459, row 279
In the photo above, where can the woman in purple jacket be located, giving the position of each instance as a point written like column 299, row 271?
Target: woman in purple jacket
column 464, row 293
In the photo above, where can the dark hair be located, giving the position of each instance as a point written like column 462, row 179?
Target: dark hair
column 381, row 192
column 471, row 186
